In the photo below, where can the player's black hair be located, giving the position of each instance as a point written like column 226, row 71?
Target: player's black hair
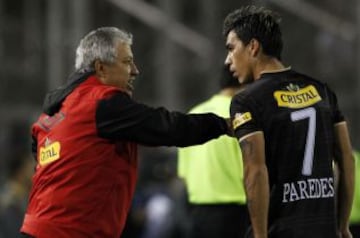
column 252, row 22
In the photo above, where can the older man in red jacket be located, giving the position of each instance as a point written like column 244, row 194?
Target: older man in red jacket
column 85, row 142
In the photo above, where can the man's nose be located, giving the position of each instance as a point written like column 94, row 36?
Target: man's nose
column 134, row 70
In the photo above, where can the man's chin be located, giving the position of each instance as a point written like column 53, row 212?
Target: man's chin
column 129, row 90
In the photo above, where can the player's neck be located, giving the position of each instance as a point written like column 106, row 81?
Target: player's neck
column 267, row 64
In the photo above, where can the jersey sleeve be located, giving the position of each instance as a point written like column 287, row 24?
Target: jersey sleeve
column 119, row 117
column 244, row 117
column 337, row 114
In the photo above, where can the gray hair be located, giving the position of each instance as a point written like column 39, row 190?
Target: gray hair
column 100, row 44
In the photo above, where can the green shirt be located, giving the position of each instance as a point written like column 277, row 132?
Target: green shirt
column 213, row 172
column 355, row 211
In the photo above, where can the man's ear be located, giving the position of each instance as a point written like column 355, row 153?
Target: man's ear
column 99, row 68
column 254, row 47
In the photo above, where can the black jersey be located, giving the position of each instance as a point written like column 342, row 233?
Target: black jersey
column 297, row 115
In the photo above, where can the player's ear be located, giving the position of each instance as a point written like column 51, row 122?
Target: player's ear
column 254, row 47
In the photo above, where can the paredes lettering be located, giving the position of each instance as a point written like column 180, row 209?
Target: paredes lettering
column 308, row 189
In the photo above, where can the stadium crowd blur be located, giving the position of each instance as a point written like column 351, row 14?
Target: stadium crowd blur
column 177, row 44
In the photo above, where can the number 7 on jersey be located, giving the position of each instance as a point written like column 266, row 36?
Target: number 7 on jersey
column 307, row 113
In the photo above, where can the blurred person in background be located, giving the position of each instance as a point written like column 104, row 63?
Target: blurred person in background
column 213, row 174
column 135, row 220
column 13, row 195
column 290, row 129
column 355, row 210
column 160, row 187
column 85, row 142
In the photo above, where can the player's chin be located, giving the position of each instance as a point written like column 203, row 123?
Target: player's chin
column 241, row 80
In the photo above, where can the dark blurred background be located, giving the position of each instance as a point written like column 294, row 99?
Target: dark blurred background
column 178, row 48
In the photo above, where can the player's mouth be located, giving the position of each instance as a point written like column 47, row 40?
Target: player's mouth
column 231, row 69
column 234, row 73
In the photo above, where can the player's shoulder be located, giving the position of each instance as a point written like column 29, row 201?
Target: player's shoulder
column 274, row 80
column 318, row 83
column 262, row 90
column 310, row 79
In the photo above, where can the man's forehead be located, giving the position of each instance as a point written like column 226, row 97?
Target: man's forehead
column 125, row 50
